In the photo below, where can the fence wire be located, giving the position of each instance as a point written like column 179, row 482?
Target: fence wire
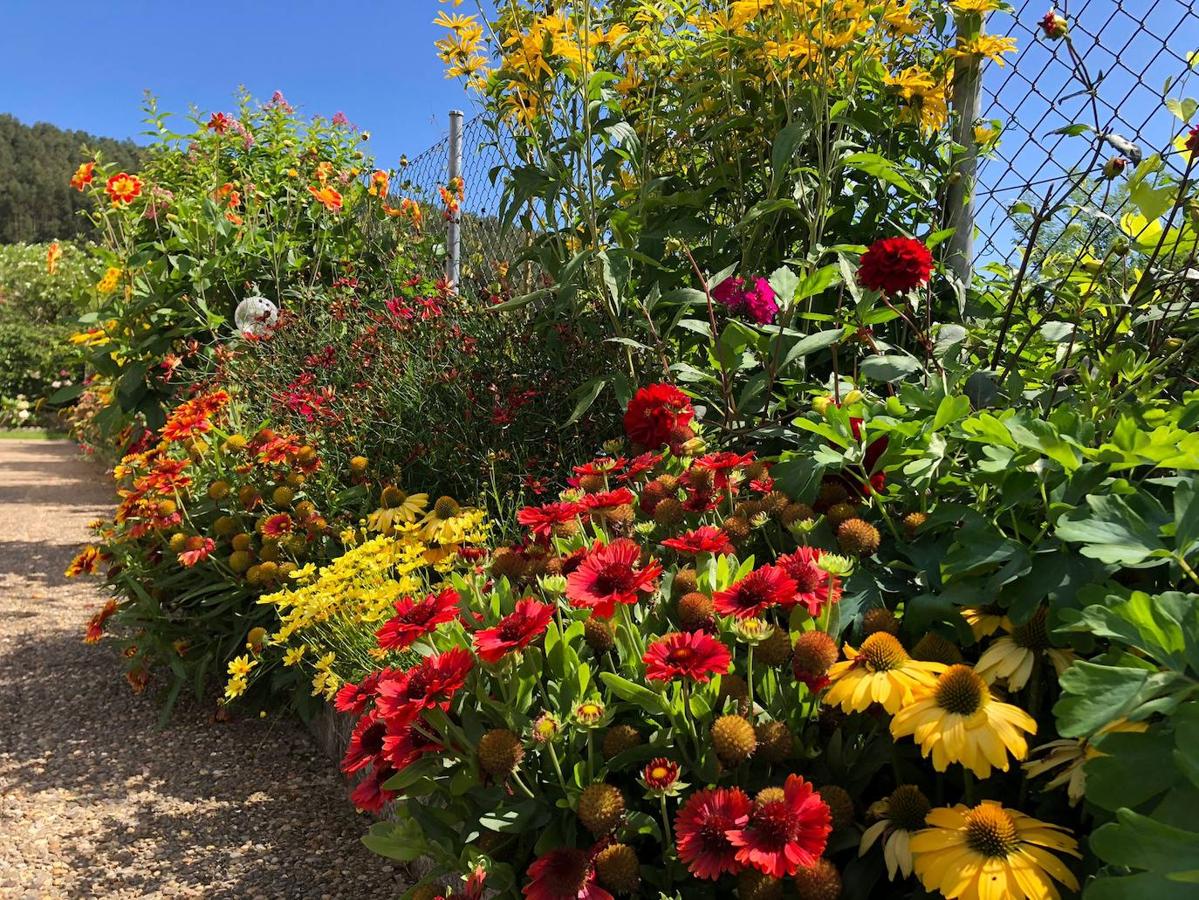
column 1132, row 49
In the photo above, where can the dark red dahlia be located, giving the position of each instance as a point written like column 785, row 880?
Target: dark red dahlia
column 695, row 655
column 894, row 265
column 518, row 629
column 610, row 574
column 658, row 414
column 783, row 834
column 702, row 827
column 814, row 588
column 705, row 539
column 416, row 618
column 756, row 592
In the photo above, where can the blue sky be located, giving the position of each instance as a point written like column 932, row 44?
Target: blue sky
column 86, row 64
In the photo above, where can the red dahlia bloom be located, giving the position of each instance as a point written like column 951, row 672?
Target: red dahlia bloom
column 695, row 655
column 431, row 683
column 658, row 414
column 702, row 827
column 814, row 588
column 781, row 836
column 516, row 630
column 705, row 539
column 894, row 265
column 542, row 519
column 366, row 742
column 416, row 618
column 566, row 874
column 611, row 574
column 759, row 590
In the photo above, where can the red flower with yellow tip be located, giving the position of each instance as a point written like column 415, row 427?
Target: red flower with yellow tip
column 123, row 188
column 83, row 176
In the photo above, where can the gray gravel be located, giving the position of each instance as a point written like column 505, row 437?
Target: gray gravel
column 95, row 799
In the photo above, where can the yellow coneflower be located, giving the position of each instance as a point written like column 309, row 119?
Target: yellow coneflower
column 1013, row 656
column 958, row 721
column 899, row 817
column 984, row 620
column 1071, row 755
column 989, row 851
column 395, row 507
column 880, row 671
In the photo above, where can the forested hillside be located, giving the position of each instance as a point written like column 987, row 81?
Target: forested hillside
column 36, row 162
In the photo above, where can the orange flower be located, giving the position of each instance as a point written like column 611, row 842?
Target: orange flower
column 233, row 217
column 83, row 176
column 95, row 626
column 379, row 183
column 229, row 193
column 122, row 188
column 53, row 255
column 85, row 562
column 323, row 170
column 328, row 197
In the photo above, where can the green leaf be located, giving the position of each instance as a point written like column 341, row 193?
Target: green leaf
column 1140, row 842
column 818, row 282
column 950, row 409
column 633, row 693
column 881, row 168
column 402, row 840
column 1110, row 531
column 783, row 151
column 587, row 393
column 1094, row 695
column 889, row 367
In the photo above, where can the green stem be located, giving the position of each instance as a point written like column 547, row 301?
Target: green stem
column 557, row 765
column 666, row 831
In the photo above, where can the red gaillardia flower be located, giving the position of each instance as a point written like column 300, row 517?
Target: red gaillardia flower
column 894, row 265
column 702, row 829
column 694, row 654
column 370, row 796
column 705, row 539
column 516, row 630
column 95, row 625
column 622, row 496
column 787, row 829
column 565, row 874
column 416, row 618
column 658, row 414
column 277, row 525
column 122, row 188
column 83, row 175
column 541, row 519
column 722, row 464
column 611, row 574
column 366, row 742
column 353, row 698
column 403, row 745
column 429, row 684
column 660, row 774
column 758, row 591
column 814, row 587
column 198, row 550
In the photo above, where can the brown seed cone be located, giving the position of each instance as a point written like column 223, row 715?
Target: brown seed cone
column 935, row 648
column 831, row 492
column 500, row 752
column 734, row 687
column 620, row 518
column 617, row 869
column 620, row 738
column 242, row 541
column 507, row 562
column 669, row 483
column 445, row 507
column 601, row 808
column 598, row 634
column 858, row 537
column 592, row 483
column 819, row 881
column 756, row 470
column 567, row 529
column 838, row 513
column 795, row 512
column 747, row 509
column 912, row 522
column 755, row 885
column 839, row 803
column 775, row 650
column 879, row 619
column 669, row 512
column 733, row 739
column 700, row 479
column 737, row 528
column 813, row 653
column 685, row 581
column 695, row 611
column 775, row 742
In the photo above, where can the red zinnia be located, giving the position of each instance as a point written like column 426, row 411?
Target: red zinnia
column 705, row 539
column 366, row 742
column 416, row 618
column 759, row 590
column 781, row 836
column 431, row 683
column 693, row 655
column 565, row 874
column 516, row 630
column 894, row 265
column 702, row 827
column 814, row 587
column 610, row 574
column 542, row 519
column 658, row 414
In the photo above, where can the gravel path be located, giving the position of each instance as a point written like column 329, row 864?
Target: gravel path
column 95, row 799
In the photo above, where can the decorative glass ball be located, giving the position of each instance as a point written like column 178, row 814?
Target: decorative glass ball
column 255, row 317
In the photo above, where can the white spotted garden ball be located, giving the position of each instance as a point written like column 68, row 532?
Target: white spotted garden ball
column 256, row 316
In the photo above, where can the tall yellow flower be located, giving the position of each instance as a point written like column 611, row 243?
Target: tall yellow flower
column 1013, row 656
column 988, row 46
column 958, row 721
column 992, row 852
column 879, row 672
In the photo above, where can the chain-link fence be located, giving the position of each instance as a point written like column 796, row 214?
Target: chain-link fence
column 1132, row 52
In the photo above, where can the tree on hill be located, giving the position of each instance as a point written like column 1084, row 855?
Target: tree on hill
column 37, row 202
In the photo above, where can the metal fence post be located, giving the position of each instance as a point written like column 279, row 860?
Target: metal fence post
column 959, row 197
column 453, row 261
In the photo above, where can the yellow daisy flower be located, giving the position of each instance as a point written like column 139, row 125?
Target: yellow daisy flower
column 958, row 721
column 1013, row 656
column 899, row 817
column 396, row 507
column 989, row 851
column 984, row 620
column 880, row 671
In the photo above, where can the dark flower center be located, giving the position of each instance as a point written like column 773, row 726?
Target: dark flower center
column 680, row 654
column 772, row 823
column 566, row 876
column 991, row 831
column 512, row 629
column 613, row 578
column 1033, row 634
column 807, row 577
column 907, row 807
column 882, row 652
column 960, row 691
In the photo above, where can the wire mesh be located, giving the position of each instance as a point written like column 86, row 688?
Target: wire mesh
column 1135, row 52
